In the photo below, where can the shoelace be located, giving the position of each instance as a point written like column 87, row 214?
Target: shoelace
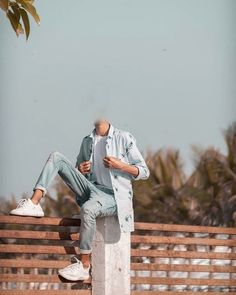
column 21, row 203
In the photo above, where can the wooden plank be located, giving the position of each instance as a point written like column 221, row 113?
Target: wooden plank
column 41, row 249
column 33, row 263
column 89, row 292
column 182, row 281
column 184, row 228
column 39, row 220
column 47, row 235
column 182, row 254
column 176, row 292
column 38, row 249
column 138, row 225
column 183, row 267
column 45, row 292
column 36, row 263
column 37, row 278
column 134, row 280
column 182, row 241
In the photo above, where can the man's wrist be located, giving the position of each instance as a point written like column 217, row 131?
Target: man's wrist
column 123, row 166
column 131, row 169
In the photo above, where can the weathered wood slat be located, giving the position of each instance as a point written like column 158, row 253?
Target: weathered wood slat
column 184, row 228
column 138, row 225
column 183, row 267
column 39, row 220
column 182, row 281
column 38, row 249
column 176, row 292
column 45, row 292
column 28, row 263
column 89, row 292
column 182, row 254
column 41, row 249
column 22, row 234
column 182, row 241
column 134, row 280
column 36, row 278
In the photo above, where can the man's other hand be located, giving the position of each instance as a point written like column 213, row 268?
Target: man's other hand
column 84, row 167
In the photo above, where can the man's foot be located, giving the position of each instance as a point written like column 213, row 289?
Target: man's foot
column 26, row 207
column 74, row 271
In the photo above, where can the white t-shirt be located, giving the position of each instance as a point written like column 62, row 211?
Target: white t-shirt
column 101, row 173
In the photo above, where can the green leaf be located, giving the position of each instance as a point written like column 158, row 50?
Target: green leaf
column 30, row 8
column 4, row 4
column 26, row 22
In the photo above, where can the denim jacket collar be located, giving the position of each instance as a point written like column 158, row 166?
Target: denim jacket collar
column 110, row 132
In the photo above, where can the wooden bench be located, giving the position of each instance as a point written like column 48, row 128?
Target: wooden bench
column 165, row 259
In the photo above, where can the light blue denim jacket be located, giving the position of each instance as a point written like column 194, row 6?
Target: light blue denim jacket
column 122, row 145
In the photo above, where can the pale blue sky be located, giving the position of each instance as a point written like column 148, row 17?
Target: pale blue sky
column 164, row 70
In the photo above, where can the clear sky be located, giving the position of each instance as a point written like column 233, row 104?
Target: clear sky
column 162, row 69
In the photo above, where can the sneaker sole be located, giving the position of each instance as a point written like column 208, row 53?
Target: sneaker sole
column 16, row 214
column 73, row 279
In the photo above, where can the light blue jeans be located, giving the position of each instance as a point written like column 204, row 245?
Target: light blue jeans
column 95, row 200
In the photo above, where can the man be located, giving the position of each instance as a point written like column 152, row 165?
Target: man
column 107, row 162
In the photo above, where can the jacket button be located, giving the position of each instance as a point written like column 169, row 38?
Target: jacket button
column 116, row 188
column 115, row 176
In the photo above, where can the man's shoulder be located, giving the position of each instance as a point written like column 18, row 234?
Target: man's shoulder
column 127, row 135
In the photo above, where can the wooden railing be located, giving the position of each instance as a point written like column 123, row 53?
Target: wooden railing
column 165, row 259
column 170, row 258
column 32, row 249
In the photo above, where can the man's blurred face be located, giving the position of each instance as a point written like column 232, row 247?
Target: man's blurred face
column 100, row 121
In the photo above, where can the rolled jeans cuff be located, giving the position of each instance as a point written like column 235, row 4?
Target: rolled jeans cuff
column 81, row 251
column 38, row 186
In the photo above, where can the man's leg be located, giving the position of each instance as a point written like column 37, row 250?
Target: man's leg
column 57, row 163
column 100, row 204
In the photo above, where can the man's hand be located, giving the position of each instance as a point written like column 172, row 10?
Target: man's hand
column 84, row 167
column 112, row 162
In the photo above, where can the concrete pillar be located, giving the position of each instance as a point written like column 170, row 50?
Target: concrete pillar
column 110, row 259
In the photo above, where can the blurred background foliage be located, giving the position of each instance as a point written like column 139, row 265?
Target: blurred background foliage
column 206, row 197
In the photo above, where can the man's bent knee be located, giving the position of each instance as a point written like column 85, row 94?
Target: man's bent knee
column 90, row 211
column 54, row 156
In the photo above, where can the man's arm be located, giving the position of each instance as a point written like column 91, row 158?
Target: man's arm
column 112, row 162
column 135, row 157
column 136, row 167
column 79, row 158
column 82, row 165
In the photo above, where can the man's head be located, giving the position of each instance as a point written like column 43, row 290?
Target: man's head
column 100, row 121
column 102, row 126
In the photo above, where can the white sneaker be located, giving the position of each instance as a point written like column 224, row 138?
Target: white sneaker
column 26, row 207
column 74, row 271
